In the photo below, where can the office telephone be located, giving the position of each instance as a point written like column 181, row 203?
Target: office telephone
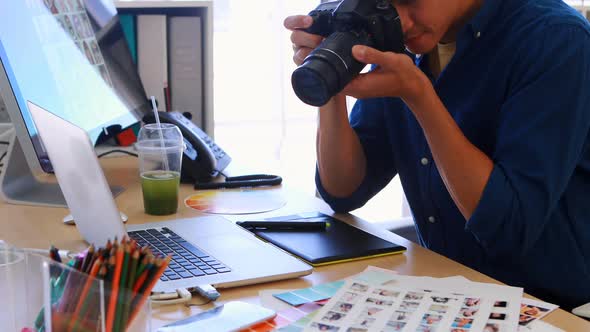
column 203, row 159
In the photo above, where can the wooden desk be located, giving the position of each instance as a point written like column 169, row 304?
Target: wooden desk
column 39, row 227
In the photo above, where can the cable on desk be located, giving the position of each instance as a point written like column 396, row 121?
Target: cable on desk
column 182, row 295
column 119, row 151
column 188, row 305
column 242, row 181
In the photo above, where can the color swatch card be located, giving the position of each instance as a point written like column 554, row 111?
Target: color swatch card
column 285, row 318
column 311, row 294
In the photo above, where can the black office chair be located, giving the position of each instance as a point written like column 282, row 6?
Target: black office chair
column 403, row 227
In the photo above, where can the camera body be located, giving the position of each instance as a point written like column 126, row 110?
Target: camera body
column 331, row 66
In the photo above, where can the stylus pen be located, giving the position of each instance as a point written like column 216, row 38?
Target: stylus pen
column 287, row 225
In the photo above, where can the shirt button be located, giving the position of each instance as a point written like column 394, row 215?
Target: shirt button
column 431, row 219
column 477, row 35
column 424, row 161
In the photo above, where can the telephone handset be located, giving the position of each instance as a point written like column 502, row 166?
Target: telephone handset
column 203, row 159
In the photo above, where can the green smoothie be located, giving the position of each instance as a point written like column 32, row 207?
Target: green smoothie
column 160, row 192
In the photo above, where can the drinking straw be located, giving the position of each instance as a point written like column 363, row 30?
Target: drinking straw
column 155, row 109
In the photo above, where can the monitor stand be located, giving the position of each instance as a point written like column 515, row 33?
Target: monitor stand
column 18, row 184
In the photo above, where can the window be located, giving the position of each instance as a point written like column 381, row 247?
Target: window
column 583, row 6
column 258, row 119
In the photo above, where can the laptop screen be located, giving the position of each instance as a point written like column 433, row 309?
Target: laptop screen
column 71, row 57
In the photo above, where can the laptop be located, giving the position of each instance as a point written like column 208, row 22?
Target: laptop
column 205, row 250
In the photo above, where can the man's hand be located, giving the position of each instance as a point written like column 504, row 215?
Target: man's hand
column 303, row 42
column 396, row 76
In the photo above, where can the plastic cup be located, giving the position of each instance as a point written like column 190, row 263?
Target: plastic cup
column 160, row 159
column 12, row 289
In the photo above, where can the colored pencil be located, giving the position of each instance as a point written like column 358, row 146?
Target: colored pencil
column 144, row 257
column 70, row 291
column 133, row 269
column 84, row 294
column 110, row 270
column 129, row 288
column 90, row 300
column 152, row 282
column 102, row 274
column 144, row 275
column 58, row 288
column 129, row 273
column 54, row 254
column 89, row 257
column 114, row 290
column 143, row 263
column 122, row 290
column 108, row 280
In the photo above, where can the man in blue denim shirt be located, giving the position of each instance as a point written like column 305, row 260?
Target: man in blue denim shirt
column 488, row 130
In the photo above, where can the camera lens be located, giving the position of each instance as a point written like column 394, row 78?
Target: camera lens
column 328, row 68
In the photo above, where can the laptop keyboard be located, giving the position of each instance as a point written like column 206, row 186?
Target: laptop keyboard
column 188, row 261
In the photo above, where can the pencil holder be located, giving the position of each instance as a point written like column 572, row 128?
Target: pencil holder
column 81, row 302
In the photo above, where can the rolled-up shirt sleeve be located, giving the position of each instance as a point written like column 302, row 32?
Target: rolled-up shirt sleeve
column 366, row 118
column 541, row 136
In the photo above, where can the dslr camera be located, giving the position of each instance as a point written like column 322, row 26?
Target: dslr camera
column 331, row 66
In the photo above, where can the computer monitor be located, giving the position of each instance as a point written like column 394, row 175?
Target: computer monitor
column 71, row 58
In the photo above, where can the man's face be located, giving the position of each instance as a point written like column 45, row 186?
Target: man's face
column 426, row 22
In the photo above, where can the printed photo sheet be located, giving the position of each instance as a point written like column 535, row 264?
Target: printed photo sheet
column 532, row 311
column 378, row 300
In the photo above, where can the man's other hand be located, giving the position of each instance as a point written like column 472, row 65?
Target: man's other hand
column 396, row 75
column 303, row 42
